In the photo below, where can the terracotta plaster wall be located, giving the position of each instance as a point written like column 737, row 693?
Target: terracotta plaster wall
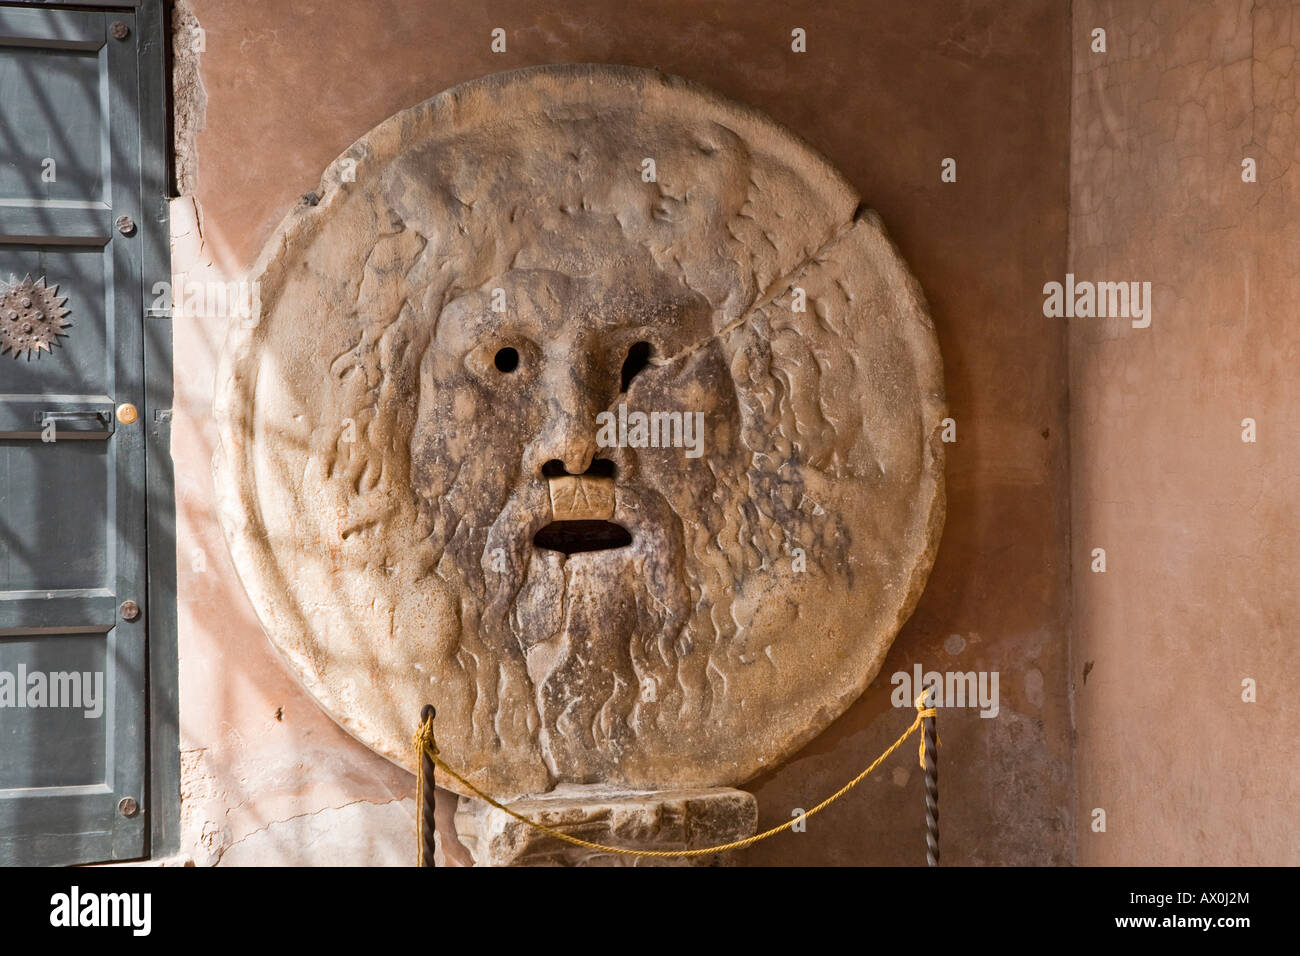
column 1200, row 528
column 886, row 91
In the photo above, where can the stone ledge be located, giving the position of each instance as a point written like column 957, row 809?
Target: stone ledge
column 649, row 820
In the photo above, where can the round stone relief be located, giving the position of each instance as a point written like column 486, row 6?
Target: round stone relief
column 593, row 409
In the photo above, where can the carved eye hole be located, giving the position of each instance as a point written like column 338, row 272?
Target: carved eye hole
column 638, row 357
column 506, row 360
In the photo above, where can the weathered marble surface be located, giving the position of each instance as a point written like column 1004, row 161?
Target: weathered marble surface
column 382, row 477
column 664, row 820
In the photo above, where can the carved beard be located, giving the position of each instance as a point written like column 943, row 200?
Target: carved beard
column 598, row 634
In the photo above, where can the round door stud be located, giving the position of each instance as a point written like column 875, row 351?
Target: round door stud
column 128, row 807
column 119, row 30
column 126, row 225
column 130, row 611
column 126, row 413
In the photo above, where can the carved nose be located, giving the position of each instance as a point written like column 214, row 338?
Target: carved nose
column 575, row 451
column 570, row 436
column 580, row 387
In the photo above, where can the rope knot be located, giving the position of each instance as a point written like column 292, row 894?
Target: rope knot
column 922, row 711
column 424, row 741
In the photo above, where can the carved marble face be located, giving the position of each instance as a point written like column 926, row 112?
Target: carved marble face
column 573, row 551
column 442, row 465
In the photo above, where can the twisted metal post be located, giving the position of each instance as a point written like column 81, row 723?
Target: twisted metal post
column 427, row 795
column 929, row 729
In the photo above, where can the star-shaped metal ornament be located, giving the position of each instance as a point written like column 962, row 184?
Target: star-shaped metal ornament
column 31, row 317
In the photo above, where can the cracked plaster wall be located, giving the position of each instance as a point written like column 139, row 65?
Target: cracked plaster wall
column 886, row 91
column 1200, row 529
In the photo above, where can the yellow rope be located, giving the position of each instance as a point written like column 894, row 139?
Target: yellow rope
column 424, row 743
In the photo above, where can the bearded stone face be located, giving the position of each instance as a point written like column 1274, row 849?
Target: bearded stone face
column 634, row 480
column 573, row 551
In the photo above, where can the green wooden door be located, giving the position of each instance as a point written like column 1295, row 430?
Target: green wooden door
column 73, row 731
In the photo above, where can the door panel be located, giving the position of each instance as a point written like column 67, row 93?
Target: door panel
column 79, row 659
column 85, row 275
column 55, row 502
column 59, row 117
column 72, row 509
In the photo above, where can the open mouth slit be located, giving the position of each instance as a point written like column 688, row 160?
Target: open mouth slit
column 575, row 537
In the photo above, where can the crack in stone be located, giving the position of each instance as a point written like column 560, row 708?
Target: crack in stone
column 1253, row 64
column 299, row 816
column 770, row 294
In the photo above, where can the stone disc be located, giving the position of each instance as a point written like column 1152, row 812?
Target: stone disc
column 595, row 410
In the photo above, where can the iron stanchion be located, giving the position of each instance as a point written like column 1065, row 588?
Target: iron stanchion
column 427, row 795
column 931, row 783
